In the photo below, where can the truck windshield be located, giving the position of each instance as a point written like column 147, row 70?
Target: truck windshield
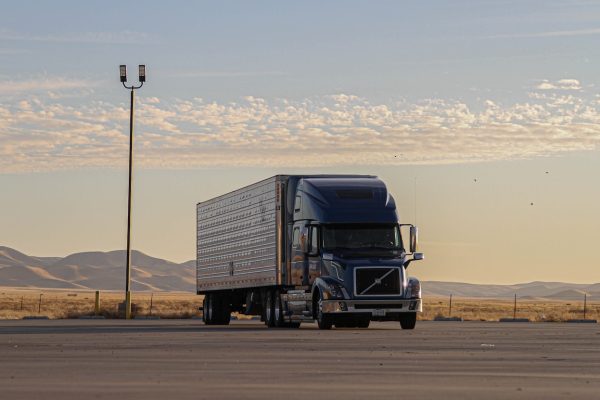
column 354, row 236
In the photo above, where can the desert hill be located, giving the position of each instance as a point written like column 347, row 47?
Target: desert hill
column 94, row 270
column 531, row 290
column 105, row 271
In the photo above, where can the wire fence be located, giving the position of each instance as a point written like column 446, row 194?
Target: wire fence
column 484, row 309
column 16, row 304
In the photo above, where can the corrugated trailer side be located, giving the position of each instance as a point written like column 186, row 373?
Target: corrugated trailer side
column 238, row 237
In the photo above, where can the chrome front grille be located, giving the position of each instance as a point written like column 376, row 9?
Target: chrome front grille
column 377, row 281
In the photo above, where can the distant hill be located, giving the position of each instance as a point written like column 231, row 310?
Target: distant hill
column 531, row 290
column 105, row 270
column 95, row 270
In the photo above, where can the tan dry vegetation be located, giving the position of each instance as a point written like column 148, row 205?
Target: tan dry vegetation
column 77, row 303
column 57, row 304
column 539, row 310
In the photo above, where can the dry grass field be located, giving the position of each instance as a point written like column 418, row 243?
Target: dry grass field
column 18, row 303
column 493, row 309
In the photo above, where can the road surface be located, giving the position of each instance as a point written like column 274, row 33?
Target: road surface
column 183, row 359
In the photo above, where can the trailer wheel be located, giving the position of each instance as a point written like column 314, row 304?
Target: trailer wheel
column 216, row 309
column 408, row 320
column 208, row 309
column 269, row 310
column 223, row 309
column 204, row 309
column 324, row 321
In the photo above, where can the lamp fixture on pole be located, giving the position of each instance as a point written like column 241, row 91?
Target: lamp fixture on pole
column 132, row 88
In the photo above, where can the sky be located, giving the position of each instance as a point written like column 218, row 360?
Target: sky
column 481, row 117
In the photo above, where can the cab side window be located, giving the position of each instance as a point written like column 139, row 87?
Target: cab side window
column 298, row 204
column 296, row 238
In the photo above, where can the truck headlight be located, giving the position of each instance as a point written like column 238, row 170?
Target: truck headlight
column 334, row 291
column 414, row 288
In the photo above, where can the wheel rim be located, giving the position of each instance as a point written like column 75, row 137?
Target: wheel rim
column 320, row 311
column 268, row 312
column 208, row 308
column 277, row 308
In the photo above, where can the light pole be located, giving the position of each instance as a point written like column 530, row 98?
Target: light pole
column 132, row 88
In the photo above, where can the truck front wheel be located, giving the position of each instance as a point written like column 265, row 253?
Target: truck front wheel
column 278, row 310
column 324, row 321
column 408, row 320
column 269, row 309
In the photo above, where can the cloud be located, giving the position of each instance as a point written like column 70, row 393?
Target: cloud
column 547, row 34
column 11, row 87
column 224, row 74
column 342, row 129
column 10, row 51
column 561, row 84
column 122, row 37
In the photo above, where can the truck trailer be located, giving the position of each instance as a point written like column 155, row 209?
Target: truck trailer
column 300, row 248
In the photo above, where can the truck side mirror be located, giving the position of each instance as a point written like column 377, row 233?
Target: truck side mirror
column 304, row 244
column 414, row 238
column 309, row 240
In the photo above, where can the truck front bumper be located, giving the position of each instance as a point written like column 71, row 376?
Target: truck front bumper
column 376, row 308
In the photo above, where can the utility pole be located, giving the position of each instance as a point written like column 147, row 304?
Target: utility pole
column 132, row 88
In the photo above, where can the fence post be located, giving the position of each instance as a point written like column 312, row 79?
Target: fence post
column 584, row 304
column 97, row 303
column 22, row 303
column 515, row 309
column 151, row 296
column 40, row 303
column 450, row 306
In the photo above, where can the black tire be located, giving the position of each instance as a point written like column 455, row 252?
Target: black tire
column 324, row 321
column 408, row 320
column 269, row 310
column 216, row 309
column 223, row 309
column 209, row 311
column 278, row 320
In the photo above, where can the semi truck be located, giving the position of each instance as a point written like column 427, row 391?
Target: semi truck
column 306, row 248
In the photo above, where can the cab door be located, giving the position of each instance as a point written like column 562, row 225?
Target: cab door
column 306, row 261
column 298, row 258
column 313, row 254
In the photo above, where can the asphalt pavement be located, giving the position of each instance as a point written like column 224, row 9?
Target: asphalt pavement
column 184, row 359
